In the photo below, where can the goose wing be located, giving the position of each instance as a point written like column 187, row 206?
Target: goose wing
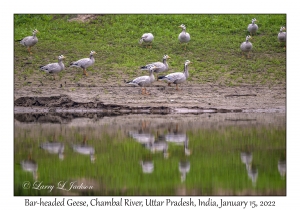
column 52, row 68
column 173, row 77
column 29, row 41
column 282, row 36
column 140, row 81
column 26, row 40
column 147, row 37
column 83, row 63
column 159, row 65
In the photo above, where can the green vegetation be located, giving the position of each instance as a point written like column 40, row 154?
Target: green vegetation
column 215, row 161
column 214, row 48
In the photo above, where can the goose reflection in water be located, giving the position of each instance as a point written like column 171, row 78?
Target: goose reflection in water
column 246, row 158
column 184, row 168
column 142, row 138
column 30, row 166
column 142, row 135
column 85, row 150
column 282, row 168
column 252, row 171
column 54, row 148
column 179, row 138
column 158, row 146
column 147, row 166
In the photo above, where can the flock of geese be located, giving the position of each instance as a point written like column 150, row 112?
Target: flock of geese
column 156, row 67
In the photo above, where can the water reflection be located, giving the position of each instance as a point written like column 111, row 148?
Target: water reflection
column 44, row 118
column 184, row 168
column 54, row 148
column 282, row 168
column 147, row 166
column 85, row 149
column 179, row 139
column 142, row 138
column 130, row 150
column 30, row 165
column 158, row 145
column 246, row 158
column 252, row 170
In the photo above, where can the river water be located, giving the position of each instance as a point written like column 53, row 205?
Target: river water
column 146, row 154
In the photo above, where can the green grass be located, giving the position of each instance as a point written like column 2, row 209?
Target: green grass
column 213, row 49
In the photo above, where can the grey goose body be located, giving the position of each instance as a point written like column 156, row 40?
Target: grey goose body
column 30, row 41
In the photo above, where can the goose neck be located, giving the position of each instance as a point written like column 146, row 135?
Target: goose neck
column 186, row 71
column 152, row 78
column 165, row 61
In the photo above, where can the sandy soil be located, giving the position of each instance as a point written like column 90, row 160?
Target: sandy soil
column 191, row 98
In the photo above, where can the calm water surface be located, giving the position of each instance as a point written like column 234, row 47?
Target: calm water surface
column 205, row 154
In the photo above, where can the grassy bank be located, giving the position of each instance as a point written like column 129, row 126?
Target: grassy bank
column 214, row 49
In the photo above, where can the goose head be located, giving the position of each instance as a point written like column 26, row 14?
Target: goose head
column 35, row 31
column 254, row 20
column 187, row 62
column 61, row 57
column 93, row 52
column 165, row 57
column 282, row 28
column 182, row 26
column 248, row 37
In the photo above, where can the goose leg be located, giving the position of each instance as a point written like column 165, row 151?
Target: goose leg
column 177, row 88
column 144, row 91
column 29, row 50
column 147, row 93
column 84, row 72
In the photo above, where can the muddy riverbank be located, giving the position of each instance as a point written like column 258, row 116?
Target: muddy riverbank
column 162, row 99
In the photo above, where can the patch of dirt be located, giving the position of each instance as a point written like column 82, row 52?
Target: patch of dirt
column 83, row 18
